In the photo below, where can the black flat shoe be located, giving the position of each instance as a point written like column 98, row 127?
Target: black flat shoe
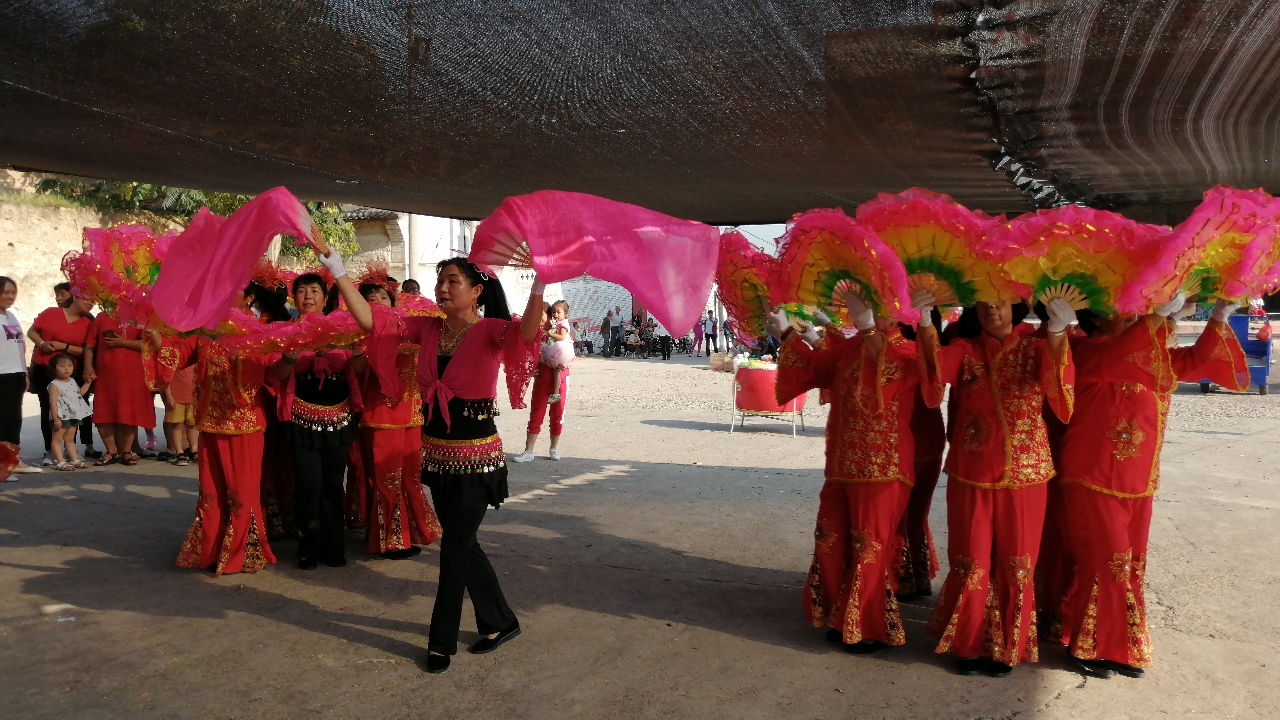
column 999, row 670
column 866, row 647
column 488, row 645
column 1127, row 670
column 906, row 597
column 1094, row 668
column 337, row 562
column 437, row 664
column 400, row 554
column 924, row 592
column 971, row 666
column 414, row 551
column 307, row 563
column 835, row 636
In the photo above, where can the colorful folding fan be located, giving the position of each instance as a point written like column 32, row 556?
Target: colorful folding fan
column 935, row 237
column 117, row 269
column 1227, row 248
column 1084, row 256
column 826, row 254
column 743, row 278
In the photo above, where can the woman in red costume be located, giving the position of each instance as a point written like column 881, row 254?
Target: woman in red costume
column 1110, row 470
column 997, row 469
column 122, row 402
column 228, row 532
column 873, row 379
column 463, row 461
column 391, row 450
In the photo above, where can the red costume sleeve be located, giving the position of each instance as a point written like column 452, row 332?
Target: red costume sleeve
column 802, row 368
column 1216, row 356
column 383, row 347
column 159, row 366
column 939, row 366
column 519, row 358
column 1058, row 379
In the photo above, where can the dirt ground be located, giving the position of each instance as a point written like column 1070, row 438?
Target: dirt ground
column 656, row 570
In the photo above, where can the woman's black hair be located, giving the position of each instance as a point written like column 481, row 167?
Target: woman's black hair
column 4, row 282
column 367, row 289
column 1088, row 322
column 968, row 326
column 308, row 279
column 493, row 299
column 270, row 302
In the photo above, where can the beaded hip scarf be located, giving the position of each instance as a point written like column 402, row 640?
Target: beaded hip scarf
column 321, row 417
column 459, row 457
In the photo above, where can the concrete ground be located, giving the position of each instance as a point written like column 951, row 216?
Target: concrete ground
column 656, row 570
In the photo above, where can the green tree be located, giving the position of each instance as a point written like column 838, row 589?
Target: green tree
column 182, row 204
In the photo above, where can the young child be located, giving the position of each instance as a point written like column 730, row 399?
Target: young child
column 180, row 417
column 68, row 408
column 548, row 382
column 558, row 352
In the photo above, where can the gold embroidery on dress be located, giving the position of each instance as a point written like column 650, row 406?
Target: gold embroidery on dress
column 1085, row 644
column 1122, row 565
column 893, row 631
column 993, row 624
column 1128, row 438
column 823, row 536
column 253, row 557
column 813, row 585
column 975, row 434
column 189, row 555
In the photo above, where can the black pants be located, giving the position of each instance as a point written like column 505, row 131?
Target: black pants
column 712, row 344
column 665, row 342
column 40, row 379
column 317, row 501
column 616, row 342
column 12, row 386
column 464, row 567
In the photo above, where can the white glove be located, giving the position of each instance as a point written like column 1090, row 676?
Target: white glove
column 539, row 287
column 333, row 263
column 820, row 319
column 811, row 335
column 1061, row 315
column 863, row 317
column 923, row 300
column 1223, row 310
column 1172, row 306
column 776, row 322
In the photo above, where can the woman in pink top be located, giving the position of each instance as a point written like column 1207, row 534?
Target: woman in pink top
column 463, row 461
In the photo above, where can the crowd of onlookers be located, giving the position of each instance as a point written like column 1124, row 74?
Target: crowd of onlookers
column 642, row 336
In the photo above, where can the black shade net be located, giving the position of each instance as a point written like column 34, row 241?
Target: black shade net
column 726, row 112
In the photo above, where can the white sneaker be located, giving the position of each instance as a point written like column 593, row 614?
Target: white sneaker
column 554, row 454
column 48, row 460
column 27, row 469
column 526, row 456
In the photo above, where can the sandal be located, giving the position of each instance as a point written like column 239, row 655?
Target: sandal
column 66, row 466
column 129, row 459
column 180, row 461
column 80, row 464
column 164, row 456
column 107, row 459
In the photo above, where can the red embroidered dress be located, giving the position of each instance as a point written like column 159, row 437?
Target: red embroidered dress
column 918, row 563
column 391, row 451
column 227, row 533
column 1111, row 468
column 997, row 468
column 869, row 472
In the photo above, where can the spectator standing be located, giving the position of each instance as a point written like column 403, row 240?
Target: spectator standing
column 617, row 330
column 411, row 287
column 727, row 332
column 709, row 330
column 122, row 400
column 606, row 334
column 69, row 410
column 13, row 373
column 664, row 342
column 698, row 337
column 59, row 329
